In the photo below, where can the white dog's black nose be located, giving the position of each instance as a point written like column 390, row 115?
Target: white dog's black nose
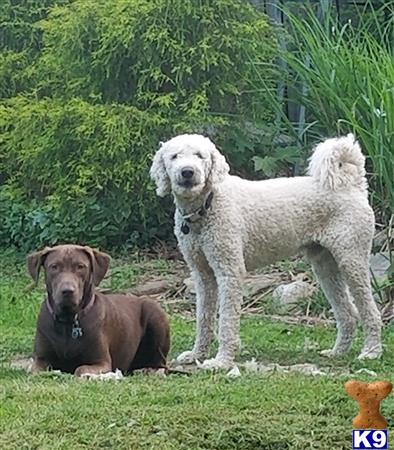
column 187, row 172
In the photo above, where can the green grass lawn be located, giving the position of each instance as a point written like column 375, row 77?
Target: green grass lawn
column 203, row 411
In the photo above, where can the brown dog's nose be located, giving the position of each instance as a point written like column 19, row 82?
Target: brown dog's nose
column 67, row 291
column 187, row 172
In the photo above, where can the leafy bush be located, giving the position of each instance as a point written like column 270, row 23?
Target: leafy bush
column 18, row 22
column 164, row 55
column 20, row 41
column 182, row 59
column 75, row 171
column 13, row 77
column 110, row 81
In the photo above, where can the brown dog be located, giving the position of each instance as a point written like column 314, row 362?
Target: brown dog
column 80, row 330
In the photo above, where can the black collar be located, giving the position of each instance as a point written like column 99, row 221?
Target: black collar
column 76, row 330
column 196, row 215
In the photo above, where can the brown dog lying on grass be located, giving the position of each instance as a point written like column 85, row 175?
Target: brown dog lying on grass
column 83, row 331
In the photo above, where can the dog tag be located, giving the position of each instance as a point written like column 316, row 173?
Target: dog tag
column 185, row 228
column 76, row 332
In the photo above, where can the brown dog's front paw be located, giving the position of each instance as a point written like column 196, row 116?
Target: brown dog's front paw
column 91, row 370
column 39, row 365
column 81, row 370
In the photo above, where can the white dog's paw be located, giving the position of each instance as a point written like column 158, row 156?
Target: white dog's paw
column 371, row 352
column 216, row 363
column 188, row 357
column 331, row 353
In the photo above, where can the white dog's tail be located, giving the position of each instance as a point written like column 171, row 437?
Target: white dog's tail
column 338, row 163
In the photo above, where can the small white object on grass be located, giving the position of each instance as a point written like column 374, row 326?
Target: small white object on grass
column 306, row 369
column 159, row 372
column 252, row 365
column 369, row 372
column 234, row 372
column 50, row 373
column 117, row 375
column 22, row 363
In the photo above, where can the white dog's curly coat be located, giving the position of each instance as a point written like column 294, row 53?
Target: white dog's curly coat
column 225, row 225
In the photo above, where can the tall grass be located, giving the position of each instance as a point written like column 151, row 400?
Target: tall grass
column 343, row 75
column 348, row 78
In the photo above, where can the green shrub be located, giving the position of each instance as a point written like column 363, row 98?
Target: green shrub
column 18, row 23
column 175, row 57
column 13, row 77
column 166, row 55
column 344, row 76
column 20, row 41
column 112, row 79
column 76, row 171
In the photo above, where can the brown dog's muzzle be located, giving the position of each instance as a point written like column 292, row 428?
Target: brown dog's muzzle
column 67, row 295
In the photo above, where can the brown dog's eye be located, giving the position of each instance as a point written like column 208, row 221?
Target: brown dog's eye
column 81, row 266
column 174, row 156
column 53, row 267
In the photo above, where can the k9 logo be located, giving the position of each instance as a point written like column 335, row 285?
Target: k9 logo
column 372, row 439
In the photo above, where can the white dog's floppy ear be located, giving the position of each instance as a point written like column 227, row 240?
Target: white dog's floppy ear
column 219, row 168
column 159, row 175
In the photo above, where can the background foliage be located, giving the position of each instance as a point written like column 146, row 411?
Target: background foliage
column 89, row 88
column 347, row 78
column 342, row 73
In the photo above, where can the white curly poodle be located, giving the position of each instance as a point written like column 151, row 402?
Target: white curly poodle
column 226, row 225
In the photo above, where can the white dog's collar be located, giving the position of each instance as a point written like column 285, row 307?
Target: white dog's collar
column 195, row 215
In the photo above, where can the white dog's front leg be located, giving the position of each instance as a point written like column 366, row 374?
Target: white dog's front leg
column 206, row 309
column 230, row 301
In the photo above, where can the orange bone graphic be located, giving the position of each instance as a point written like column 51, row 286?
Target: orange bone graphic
column 369, row 396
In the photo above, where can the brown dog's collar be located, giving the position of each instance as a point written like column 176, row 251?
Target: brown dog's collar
column 84, row 310
column 76, row 330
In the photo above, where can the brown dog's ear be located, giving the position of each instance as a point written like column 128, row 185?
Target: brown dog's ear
column 100, row 264
column 35, row 261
